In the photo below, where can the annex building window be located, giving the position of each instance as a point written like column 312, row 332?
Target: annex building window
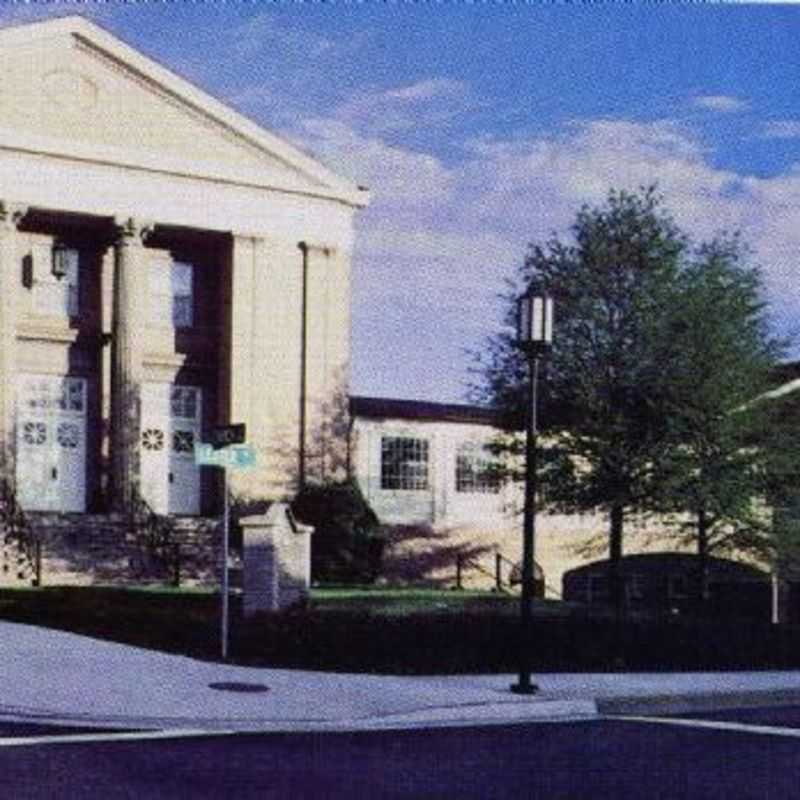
column 597, row 589
column 404, row 463
column 55, row 296
column 172, row 294
column 476, row 473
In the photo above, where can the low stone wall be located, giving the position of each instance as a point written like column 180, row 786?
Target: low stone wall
column 83, row 549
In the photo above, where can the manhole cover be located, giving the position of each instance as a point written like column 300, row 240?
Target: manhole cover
column 238, row 687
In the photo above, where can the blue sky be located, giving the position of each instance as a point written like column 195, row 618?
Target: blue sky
column 480, row 128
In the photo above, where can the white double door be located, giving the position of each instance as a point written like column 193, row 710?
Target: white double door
column 171, row 424
column 51, row 443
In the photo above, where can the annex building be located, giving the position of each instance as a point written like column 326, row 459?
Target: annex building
column 166, row 265
column 430, row 473
column 453, row 519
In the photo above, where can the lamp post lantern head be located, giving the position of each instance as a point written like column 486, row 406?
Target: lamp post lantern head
column 60, row 260
column 535, row 321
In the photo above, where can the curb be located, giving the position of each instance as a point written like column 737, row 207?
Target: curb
column 421, row 718
column 460, row 715
column 666, row 704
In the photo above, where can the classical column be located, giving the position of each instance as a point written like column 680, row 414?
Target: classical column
column 248, row 389
column 325, row 367
column 129, row 321
column 241, row 309
column 10, row 279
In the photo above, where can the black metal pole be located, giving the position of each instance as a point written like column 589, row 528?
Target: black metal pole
column 525, row 685
column 38, row 562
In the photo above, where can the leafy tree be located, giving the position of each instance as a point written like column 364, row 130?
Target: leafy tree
column 657, row 392
column 728, row 453
column 609, row 432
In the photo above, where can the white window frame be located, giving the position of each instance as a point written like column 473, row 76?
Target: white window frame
column 48, row 394
column 405, row 463
column 172, row 294
column 476, row 470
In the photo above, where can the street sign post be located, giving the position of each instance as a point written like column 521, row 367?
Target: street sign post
column 224, row 435
column 226, row 451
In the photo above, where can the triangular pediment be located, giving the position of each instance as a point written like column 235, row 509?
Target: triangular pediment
column 71, row 88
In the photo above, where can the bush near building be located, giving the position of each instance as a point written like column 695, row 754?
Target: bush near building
column 347, row 545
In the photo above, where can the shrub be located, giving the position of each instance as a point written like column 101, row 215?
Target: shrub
column 347, row 545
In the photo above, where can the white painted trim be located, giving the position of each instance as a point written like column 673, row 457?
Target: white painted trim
column 108, row 736
column 93, row 37
column 105, row 155
column 709, row 724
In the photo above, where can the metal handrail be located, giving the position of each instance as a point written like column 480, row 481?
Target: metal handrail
column 156, row 532
column 17, row 529
column 500, row 585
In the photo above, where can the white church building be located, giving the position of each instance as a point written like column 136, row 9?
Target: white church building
column 166, row 265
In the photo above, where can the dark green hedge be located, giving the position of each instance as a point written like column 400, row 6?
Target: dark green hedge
column 479, row 643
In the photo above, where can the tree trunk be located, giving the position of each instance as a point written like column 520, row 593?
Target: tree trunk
column 616, row 584
column 701, row 579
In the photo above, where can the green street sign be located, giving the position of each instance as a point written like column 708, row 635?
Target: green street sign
column 226, row 435
column 237, row 456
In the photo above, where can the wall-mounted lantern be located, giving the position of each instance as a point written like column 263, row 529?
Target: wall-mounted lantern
column 61, row 256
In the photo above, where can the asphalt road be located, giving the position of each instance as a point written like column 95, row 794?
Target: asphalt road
column 776, row 716
column 553, row 761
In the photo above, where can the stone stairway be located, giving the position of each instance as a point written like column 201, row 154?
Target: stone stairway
column 84, row 549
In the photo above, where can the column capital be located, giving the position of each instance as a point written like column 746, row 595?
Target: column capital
column 316, row 247
column 248, row 236
column 11, row 215
column 131, row 231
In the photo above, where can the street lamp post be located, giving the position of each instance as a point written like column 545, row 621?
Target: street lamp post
column 534, row 337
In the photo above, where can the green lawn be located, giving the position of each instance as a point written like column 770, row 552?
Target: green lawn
column 401, row 602
column 385, row 601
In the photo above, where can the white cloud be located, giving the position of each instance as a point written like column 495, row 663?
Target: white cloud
column 22, row 13
column 265, row 31
column 430, row 89
column 439, row 240
column 396, row 176
column 536, row 185
column 430, row 102
column 721, row 103
column 781, row 129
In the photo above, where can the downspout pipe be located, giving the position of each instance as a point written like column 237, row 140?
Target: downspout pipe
column 301, row 456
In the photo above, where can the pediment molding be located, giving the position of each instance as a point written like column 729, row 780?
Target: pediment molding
column 297, row 173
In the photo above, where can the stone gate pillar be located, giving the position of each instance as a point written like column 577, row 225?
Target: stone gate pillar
column 276, row 552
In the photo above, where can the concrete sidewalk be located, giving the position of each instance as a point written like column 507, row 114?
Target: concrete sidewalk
column 50, row 676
